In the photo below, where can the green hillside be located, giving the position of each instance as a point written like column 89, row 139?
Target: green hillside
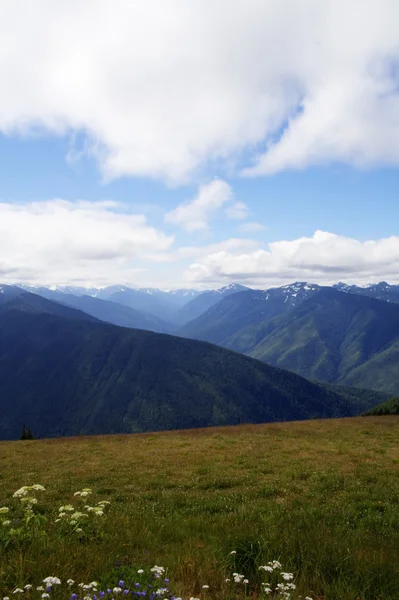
column 390, row 407
column 323, row 334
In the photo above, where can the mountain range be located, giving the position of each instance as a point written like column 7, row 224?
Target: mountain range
column 64, row 372
column 329, row 334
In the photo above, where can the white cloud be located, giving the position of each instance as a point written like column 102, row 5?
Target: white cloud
column 230, row 245
column 194, row 215
column 76, row 243
column 324, row 258
column 163, row 89
column 252, row 226
column 238, row 210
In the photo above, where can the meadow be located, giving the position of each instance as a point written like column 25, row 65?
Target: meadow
column 321, row 497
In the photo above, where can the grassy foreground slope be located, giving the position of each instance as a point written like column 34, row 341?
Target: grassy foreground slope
column 320, row 496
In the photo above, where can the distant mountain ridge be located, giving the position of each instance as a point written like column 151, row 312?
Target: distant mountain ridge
column 63, row 372
column 319, row 333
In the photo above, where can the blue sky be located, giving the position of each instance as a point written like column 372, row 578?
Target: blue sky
column 180, row 159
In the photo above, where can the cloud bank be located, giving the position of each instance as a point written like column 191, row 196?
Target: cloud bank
column 84, row 243
column 324, row 258
column 168, row 89
column 102, row 243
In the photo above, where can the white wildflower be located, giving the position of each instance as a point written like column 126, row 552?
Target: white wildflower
column 28, row 586
column 6, row 598
column 245, row 581
column 233, row 552
column 45, row 595
column 21, row 492
column 38, row 487
column 40, row 588
column 4, row 510
column 266, row 568
column 18, row 591
column 140, row 571
column 287, row 576
column 205, row 587
column 70, row 582
column 6, row 523
column 158, row 571
column 52, row 581
column 227, row 580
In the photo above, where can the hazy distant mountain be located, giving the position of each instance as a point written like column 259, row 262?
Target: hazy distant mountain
column 63, row 372
column 202, row 302
column 178, row 297
column 111, row 312
column 158, row 305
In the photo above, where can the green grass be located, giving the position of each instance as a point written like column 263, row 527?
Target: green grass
column 320, row 496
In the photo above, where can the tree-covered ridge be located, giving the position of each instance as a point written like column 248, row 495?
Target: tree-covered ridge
column 390, row 407
column 325, row 334
column 65, row 374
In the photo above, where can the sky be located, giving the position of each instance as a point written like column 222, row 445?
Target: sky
column 194, row 144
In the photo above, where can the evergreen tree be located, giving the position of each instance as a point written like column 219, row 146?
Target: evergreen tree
column 26, row 433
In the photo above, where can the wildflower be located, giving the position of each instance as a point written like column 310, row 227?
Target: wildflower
column 6, row 598
column 308, row 598
column 18, row 591
column 52, row 581
column 70, row 582
column 6, row 523
column 4, row 510
column 45, row 595
column 38, row 487
column 233, row 552
column 121, row 583
column 245, row 581
column 117, row 590
column 94, row 584
column 287, row 576
column 227, row 580
column 275, row 564
column 158, row 571
column 205, row 587
column 74, row 597
column 23, row 491
column 266, row 568
column 40, row 588
column 28, row 586
column 140, row 571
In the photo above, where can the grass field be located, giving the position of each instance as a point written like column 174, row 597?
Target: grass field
column 322, row 497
